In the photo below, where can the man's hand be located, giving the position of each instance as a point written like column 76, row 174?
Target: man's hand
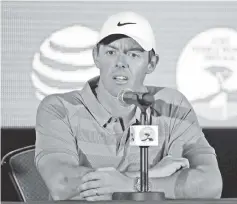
column 166, row 167
column 68, row 182
column 100, row 185
column 84, row 171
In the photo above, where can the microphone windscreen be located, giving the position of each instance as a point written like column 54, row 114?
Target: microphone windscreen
column 148, row 98
column 121, row 96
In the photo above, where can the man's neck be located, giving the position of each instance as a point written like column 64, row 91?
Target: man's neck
column 112, row 104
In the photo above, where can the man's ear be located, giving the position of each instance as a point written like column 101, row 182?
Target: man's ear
column 152, row 65
column 95, row 53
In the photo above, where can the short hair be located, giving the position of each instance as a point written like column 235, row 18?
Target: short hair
column 109, row 39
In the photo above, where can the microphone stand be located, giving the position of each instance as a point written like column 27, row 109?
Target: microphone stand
column 144, row 185
column 144, row 194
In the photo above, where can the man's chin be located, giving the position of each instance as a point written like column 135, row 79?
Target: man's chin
column 115, row 92
column 114, row 89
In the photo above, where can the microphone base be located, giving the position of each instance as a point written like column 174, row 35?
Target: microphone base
column 139, row 196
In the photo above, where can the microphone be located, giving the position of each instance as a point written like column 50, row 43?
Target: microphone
column 143, row 136
column 129, row 97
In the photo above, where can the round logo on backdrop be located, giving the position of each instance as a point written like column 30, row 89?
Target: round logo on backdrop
column 64, row 62
column 207, row 73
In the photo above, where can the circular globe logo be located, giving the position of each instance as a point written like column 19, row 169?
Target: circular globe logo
column 207, row 73
column 64, row 61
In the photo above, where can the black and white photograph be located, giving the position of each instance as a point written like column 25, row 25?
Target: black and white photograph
column 119, row 101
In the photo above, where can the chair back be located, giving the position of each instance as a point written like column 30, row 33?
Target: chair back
column 24, row 175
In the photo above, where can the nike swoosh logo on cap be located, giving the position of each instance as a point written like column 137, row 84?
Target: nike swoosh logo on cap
column 122, row 24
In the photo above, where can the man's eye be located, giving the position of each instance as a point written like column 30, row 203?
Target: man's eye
column 133, row 55
column 110, row 52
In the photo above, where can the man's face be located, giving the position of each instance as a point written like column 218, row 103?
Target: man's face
column 123, row 65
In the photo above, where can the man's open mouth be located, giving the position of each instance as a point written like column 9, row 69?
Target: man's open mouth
column 120, row 79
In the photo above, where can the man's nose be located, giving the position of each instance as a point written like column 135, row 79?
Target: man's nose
column 121, row 62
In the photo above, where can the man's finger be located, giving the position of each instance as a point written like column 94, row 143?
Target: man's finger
column 96, row 192
column 91, row 176
column 101, row 197
column 185, row 163
column 182, row 165
column 132, row 174
column 89, row 185
column 104, row 190
column 90, row 192
column 106, row 169
column 182, row 161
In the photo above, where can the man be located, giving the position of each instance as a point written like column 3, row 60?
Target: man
column 82, row 137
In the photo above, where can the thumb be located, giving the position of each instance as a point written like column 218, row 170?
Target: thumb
column 132, row 174
column 185, row 163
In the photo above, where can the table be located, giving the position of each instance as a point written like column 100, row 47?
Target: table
column 191, row 201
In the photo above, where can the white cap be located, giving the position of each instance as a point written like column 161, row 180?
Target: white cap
column 132, row 25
